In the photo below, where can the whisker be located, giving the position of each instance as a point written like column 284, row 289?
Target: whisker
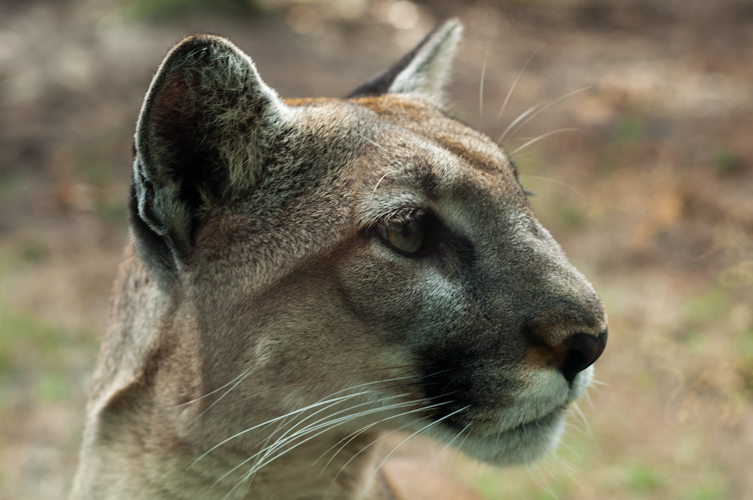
column 381, row 179
column 555, row 181
column 402, row 386
column 569, row 469
column 461, row 445
column 509, row 93
column 547, row 106
column 350, row 396
column 209, row 393
column 299, row 430
column 372, row 142
column 587, row 397
column 321, row 402
column 599, row 382
column 264, row 424
column 266, row 443
column 436, row 373
column 355, row 434
column 447, row 446
column 530, row 159
column 449, row 383
column 542, row 480
column 451, row 106
column 483, row 73
column 367, row 427
column 329, row 418
column 279, row 442
column 329, row 422
column 354, row 416
column 352, row 436
column 326, row 379
column 248, row 372
column 324, row 401
column 499, row 435
column 536, row 480
column 536, row 139
column 572, row 450
column 384, row 436
column 516, row 121
column 583, row 419
column 361, row 451
column 328, row 425
column 422, row 429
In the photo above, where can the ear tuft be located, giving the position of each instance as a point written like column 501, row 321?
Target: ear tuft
column 424, row 71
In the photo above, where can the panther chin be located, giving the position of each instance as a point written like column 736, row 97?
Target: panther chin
column 521, row 442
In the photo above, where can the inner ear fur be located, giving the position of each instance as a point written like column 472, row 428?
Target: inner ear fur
column 201, row 136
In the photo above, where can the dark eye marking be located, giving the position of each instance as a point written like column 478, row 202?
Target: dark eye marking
column 413, row 233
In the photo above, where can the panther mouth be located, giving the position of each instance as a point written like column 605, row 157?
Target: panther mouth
column 545, row 420
column 518, row 442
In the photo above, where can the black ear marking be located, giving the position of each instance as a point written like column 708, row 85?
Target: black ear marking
column 424, row 70
column 380, row 83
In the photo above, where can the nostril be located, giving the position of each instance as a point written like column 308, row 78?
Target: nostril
column 582, row 349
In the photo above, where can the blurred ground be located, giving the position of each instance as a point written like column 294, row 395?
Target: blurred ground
column 652, row 199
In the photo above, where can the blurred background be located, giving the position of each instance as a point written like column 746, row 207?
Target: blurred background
column 643, row 172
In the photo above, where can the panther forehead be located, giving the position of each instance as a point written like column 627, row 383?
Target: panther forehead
column 396, row 124
column 434, row 124
column 406, row 170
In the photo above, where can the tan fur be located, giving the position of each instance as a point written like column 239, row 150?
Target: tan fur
column 264, row 335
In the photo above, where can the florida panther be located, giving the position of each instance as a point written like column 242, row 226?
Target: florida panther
column 306, row 276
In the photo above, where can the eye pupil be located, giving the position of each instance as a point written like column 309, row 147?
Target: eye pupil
column 406, row 237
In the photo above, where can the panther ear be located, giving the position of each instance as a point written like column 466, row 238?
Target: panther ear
column 423, row 71
column 201, row 136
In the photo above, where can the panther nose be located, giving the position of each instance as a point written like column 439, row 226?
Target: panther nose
column 578, row 352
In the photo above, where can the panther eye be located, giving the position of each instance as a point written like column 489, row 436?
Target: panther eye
column 406, row 236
